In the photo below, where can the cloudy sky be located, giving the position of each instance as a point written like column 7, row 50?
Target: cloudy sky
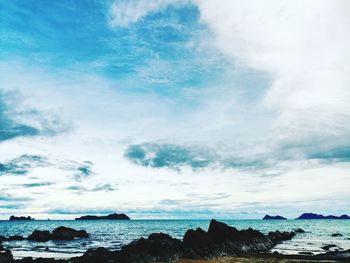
column 174, row 108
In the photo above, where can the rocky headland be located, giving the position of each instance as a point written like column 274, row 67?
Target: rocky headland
column 318, row 216
column 277, row 217
column 20, row 218
column 108, row 217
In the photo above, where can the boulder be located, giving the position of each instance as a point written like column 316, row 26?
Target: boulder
column 60, row 233
column 66, row 233
column 41, row 236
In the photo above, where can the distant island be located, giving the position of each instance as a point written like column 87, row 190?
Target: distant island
column 317, row 216
column 268, row 217
column 20, row 218
column 108, row 217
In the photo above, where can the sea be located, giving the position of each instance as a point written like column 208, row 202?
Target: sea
column 114, row 234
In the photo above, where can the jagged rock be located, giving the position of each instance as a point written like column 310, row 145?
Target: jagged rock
column 39, row 235
column 278, row 236
column 66, row 233
column 6, row 257
column 198, row 244
column 157, row 247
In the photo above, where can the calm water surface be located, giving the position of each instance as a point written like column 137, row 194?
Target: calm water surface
column 114, row 234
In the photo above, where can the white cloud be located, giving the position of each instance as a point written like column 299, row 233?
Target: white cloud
column 123, row 13
column 304, row 47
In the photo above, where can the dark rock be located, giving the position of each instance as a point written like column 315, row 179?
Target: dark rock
column 157, row 247
column 108, row 217
column 2, row 238
column 97, row 255
column 39, row 235
column 66, row 233
column 334, row 255
column 10, row 238
column 327, row 247
column 198, row 244
column 278, row 236
column 268, row 217
column 336, row 235
column 317, row 216
column 299, row 231
column 20, row 218
column 60, row 233
column 2, row 248
column 6, row 257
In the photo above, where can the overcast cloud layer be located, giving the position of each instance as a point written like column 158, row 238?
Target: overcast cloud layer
column 172, row 108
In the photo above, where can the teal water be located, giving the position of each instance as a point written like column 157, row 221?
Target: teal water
column 114, row 234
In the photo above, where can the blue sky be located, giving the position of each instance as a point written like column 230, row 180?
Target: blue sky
column 174, row 108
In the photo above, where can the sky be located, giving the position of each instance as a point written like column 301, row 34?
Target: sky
column 174, row 108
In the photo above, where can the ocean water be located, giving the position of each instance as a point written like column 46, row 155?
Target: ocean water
column 114, row 234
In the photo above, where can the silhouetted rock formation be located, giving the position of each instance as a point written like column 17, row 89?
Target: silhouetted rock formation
column 108, row 217
column 24, row 218
column 219, row 240
column 60, row 233
column 317, row 216
column 268, row 217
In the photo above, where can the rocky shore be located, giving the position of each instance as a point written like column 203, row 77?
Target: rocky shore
column 219, row 241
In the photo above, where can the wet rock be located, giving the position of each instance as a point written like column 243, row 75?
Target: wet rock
column 6, row 257
column 41, row 236
column 278, row 236
column 327, row 247
column 299, row 231
column 60, row 233
column 16, row 237
column 66, row 233
column 336, row 235
column 2, row 248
